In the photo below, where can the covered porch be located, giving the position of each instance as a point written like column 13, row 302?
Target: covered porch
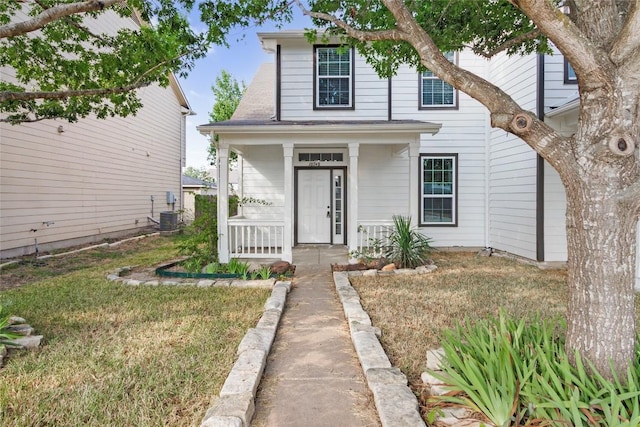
column 333, row 183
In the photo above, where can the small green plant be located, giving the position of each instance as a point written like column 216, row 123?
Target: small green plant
column 264, row 272
column 406, row 246
column 6, row 334
column 371, row 252
column 238, row 267
column 212, row 268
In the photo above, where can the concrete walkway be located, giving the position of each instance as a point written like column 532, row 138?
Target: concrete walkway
column 313, row 376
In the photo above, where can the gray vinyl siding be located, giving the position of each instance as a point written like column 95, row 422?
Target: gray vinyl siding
column 512, row 165
column 93, row 180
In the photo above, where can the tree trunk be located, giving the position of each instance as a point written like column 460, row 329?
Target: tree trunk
column 601, row 241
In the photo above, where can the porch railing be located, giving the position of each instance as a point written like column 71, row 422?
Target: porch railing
column 255, row 238
column 372, row 233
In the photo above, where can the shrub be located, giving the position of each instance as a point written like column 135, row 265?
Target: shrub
column 406, row 246
column 517, row 372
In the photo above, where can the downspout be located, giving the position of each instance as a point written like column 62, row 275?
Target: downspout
column 540, row 167
column 487, row 165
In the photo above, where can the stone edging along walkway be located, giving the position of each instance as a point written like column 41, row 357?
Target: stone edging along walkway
column 396, row 404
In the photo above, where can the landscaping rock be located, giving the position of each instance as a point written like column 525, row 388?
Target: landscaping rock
column 389, row 267
column 434, row 359
column 426, row 269
column 406, row 271
column 15, row 320
column 370, row 273
column 430, row 380
column 24, row 330
column 485, row 252
column 30, row 342
column 239, row 406
column 205, row 283
column 281, row 267
column 220, row 421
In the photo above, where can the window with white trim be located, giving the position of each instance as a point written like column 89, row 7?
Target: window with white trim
column 333, row 77
column 435, row 93
column 438, row 193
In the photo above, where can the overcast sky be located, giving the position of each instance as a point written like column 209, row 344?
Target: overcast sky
column 241, row 60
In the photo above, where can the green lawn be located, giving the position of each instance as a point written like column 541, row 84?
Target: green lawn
column 412, row 311
column 115, row 355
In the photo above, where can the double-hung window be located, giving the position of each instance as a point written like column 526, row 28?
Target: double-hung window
column 438, row 194
column 435, row 93
column 333, row 77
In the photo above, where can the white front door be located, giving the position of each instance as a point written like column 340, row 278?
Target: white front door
column 314, row 218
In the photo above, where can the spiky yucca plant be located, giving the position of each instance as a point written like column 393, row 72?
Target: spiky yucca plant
column 406, row 246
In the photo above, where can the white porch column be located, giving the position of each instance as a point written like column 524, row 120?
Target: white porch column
column 287, row 234
column 352, row 218
column 222, row 161
column 414, row 181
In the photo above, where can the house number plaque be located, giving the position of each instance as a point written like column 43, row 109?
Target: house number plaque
column 314, row 163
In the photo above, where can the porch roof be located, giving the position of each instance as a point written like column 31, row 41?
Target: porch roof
column 319, row 127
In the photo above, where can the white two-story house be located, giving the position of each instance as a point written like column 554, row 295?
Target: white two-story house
column 336, row 151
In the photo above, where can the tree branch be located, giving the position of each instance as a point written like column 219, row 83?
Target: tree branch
column 628, row 40
column 589, row 63
column 508, row 44
column 72, row 23
column 362, row 36
column 64, row 94
column 50, row 15
column 505, row 112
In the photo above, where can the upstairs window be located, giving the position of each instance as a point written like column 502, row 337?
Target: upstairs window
column 333, row 82
column 569, row 73
column 435, row 93
column 438, row 194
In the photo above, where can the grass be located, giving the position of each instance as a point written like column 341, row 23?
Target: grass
column 413, row 311
column 120, row 355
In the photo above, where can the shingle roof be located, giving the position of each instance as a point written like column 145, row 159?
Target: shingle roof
column 258, row 102
column 190, row 181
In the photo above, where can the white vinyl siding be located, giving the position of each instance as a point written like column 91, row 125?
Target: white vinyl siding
column 383, row 183
column 512, row 165
column 463, row 132
column 263, row 179
column 93, row 180
column 370, row 92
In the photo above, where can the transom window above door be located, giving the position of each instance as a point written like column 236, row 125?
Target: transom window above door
column 333, row 77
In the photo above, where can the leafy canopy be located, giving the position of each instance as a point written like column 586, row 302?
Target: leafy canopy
column 65, row 68
column 228, row 93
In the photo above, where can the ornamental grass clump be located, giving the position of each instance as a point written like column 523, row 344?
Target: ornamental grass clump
column 516, row 372
column 406, row 246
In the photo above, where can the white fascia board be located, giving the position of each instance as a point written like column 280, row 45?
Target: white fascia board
column 564, row 109
column 340, row 128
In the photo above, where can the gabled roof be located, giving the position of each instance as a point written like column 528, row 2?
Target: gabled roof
column 258, row 101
